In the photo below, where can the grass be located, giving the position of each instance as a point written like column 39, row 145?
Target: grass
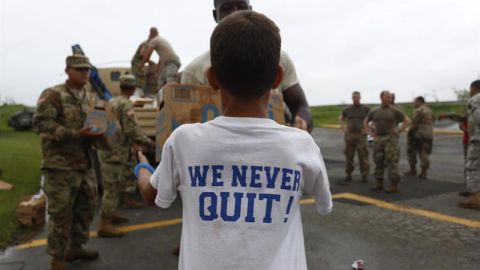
column 20, row 157
column 329, row 114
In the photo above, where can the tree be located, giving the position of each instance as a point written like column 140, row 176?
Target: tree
column 462, row 94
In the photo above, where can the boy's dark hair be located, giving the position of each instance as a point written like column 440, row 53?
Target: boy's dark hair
column 420, row 99
column 475, row 85
column 356, row 93
column 245, row 53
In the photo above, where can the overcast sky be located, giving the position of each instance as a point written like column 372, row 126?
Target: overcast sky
column 413, row 47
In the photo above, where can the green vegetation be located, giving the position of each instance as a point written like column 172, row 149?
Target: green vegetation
column 20, row 157
column 329, row 114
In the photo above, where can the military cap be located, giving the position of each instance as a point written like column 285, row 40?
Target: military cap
column 78, row 61
column 128, row 80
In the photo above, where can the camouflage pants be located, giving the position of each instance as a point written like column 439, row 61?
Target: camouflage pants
column 130, row 181
column 72, row 197
column 169, row 73
column 112, row 177
column 385, row 154
column 420, row 147
column 473, row 167
column 356, row 143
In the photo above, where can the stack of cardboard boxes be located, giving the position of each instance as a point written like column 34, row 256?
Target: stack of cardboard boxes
column 181, row 104
column 31, row 211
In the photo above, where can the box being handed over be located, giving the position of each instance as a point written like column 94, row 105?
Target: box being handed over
column 101, row 119
column 183, row 103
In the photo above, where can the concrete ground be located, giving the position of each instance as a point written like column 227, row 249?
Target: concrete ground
column 419, row 228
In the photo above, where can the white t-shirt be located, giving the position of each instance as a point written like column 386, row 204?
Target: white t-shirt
column 196, row 71
column 241, row 180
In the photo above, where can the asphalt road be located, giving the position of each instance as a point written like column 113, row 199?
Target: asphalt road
column 419, row 228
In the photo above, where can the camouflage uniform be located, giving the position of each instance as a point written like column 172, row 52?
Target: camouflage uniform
column 136, row 69
column 70, row 184
column 473, row 155
column 117, row 164
column 385, row 146
column 420, row 137
column 356, row 139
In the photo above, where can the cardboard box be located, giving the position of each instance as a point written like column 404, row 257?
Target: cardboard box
column 101, row 119
column 182, row 103
column 146, row 119
column 31, row 211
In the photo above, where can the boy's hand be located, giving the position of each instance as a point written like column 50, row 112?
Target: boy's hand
column 142, row 158
column 300, row 123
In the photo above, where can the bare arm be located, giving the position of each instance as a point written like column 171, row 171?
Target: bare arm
column 406, row 121
column 296, row 101
column 146, row 56
column 341, row 120
column 146, row 190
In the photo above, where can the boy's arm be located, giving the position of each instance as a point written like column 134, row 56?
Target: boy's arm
column 318, row 186
column 146, row 190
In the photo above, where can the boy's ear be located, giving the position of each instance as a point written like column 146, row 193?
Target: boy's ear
column 212, row 79
column 278, row 77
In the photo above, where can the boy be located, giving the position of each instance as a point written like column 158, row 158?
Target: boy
column 240, row 176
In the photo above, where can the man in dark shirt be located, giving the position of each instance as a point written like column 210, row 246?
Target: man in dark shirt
column 384, row 121
column 355, row 138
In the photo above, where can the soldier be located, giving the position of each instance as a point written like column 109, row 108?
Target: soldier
column 355, row 137
column 384, row 120
column 70, row 183
column 293, row 94
column 473, row 156
column 169, row 62
column 420, row 137
column 462, row 120
column 143, row 74
column 117, row 160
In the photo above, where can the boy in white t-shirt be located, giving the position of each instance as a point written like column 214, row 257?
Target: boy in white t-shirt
column 240, row 176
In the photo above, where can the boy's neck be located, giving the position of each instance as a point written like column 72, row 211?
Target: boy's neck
column 234, row 107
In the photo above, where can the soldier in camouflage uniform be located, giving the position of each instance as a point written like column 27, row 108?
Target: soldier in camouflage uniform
column 117, row 161
column 70, row 184
column 143, row 74
column 473, row 155
column 384, row 121
column 355, row 138
column 420, row 137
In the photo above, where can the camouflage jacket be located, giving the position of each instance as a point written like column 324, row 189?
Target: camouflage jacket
column 474, row 118
column 60, row 114
column 121, row 153
column 138, row 58
column 422, row 123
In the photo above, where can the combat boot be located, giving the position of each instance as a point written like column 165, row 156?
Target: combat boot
column 392, row 189
column 379, row 186
column 346, row 181
column 423, row 174
column 58, row 264
column 107, row 230
column 412, row 172
column 129, row 203
column 76, row 252
column 471, row 202
column 118, row 218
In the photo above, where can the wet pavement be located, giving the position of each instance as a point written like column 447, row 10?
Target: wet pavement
column 419, row 228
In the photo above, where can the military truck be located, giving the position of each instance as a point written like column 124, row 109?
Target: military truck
column 146, row 115
column 22, row 120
